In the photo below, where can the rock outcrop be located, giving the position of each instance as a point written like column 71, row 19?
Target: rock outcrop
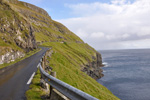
column 16, row 33
column 16, row 29
column 93, row 68
column 11, row 56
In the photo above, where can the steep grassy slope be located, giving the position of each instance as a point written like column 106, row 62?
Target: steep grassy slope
column 68, row 59
column 45, row 29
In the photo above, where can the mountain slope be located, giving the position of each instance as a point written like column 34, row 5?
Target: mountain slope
column 24, row 25
column 45, row 29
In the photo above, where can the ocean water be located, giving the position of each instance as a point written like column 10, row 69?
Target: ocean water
column 127, row 73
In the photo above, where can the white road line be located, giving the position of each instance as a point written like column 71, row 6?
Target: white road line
column 29, row 81
column 38, row 65
column 40, row 60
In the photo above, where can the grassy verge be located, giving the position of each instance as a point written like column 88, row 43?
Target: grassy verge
column 35, row 92
column 17, row 60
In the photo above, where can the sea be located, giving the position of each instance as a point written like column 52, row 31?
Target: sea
column 127, row 73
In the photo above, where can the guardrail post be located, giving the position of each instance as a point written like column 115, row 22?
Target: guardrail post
column 43, row 66
column 42, row 81
column 53, row 74
column 45, row 59
column 51, row 88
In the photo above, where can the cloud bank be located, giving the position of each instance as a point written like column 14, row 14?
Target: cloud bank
column 120, row 24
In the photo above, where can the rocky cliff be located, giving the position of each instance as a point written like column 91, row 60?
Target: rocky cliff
column 93, row 68
column 16, row 34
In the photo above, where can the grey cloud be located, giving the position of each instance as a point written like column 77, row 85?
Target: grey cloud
column 107, row 25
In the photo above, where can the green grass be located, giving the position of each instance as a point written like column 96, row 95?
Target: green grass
column 8, row 44
column 41, row 37
column 2, row 43
column 17, row 60
column 35, row 92
column 66, row 61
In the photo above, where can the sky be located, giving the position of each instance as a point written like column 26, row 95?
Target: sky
column 104, row 24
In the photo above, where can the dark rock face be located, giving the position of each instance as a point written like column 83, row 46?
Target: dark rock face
column 93, row 69
column 28, row 43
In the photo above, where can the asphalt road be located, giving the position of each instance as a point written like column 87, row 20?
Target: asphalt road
column 14, row 78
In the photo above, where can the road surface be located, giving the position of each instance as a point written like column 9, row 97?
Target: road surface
column 14, row 80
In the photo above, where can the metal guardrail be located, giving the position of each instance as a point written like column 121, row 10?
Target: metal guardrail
column 66, row 89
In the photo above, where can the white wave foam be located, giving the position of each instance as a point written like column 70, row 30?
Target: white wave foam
column 105, row 64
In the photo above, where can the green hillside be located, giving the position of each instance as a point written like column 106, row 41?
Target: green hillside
column 45, row 29
column 67, row 60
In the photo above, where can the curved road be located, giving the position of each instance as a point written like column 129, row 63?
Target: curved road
column 14, row 78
